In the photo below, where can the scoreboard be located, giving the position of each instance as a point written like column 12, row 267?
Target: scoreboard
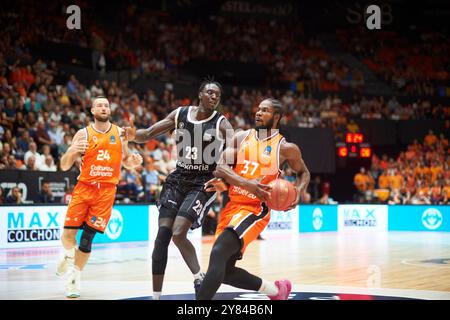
column 354, row 147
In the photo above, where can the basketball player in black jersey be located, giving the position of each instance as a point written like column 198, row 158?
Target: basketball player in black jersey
column 200, row 134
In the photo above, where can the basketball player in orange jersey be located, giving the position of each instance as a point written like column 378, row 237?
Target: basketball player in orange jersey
column 200, row 134
column 257, row 156
column 102, row 152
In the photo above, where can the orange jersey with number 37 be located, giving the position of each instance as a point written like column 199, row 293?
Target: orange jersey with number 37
column 256, row 159
column 102, row 160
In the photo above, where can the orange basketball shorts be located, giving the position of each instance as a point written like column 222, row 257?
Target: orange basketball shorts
column 91, row 204
column 248, row 221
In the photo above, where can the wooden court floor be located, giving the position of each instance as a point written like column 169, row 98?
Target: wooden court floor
column 396, row 264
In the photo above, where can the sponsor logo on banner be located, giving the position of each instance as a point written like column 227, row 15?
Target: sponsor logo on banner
column 362, row 217
column 432, row 219
column 115, row 225
column 282, row 221
column 31, row 226
column 36, row 226
column 317, row 219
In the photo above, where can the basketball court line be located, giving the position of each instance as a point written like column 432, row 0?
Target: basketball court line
column 420, row 263
column 113, row 290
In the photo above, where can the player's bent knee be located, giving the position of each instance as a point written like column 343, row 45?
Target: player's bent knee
column 179, row 236
column 159, row 255
column 86, row 240
column 161, row 243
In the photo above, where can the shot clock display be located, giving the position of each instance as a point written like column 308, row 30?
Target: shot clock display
column 354, row 147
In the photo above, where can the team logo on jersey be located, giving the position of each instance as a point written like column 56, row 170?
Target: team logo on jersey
column 267, row 151
column 112, row 140
column 207, row 137
column 93, row 219
column 181, row 125
column 95, row 139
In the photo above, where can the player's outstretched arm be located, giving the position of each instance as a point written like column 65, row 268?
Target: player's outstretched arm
column 129, row 160
column 226, row 131
column 144, row 135
column 291, row 153
column 225, row 172
column 77, row 148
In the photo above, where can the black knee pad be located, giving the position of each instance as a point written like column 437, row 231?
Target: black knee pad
column 86, row 239
column 159, row 255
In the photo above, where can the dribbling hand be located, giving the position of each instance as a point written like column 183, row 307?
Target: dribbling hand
column 261, row 191
column 296, row 201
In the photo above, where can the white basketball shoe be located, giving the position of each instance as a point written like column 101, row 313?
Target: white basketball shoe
column 73, row 285
column 63, row 265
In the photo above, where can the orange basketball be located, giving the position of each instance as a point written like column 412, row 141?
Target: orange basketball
column 282, row 195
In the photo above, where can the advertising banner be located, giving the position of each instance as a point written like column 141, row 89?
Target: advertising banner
column 362, row 217
column 419, row 218
column 127, row 223
column 25, row 227
column 317, row 218
column 282, row 222
column 42, row 226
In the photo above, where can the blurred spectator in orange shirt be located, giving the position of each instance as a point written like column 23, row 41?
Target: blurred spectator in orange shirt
column 395, row 180
column 443, row 141
column 435, row 170
column 361, row 180
column 446, row 189
column 424, row 188
column 421, row 169
column 152, row 144
column 352, row 126
column 383, row 181
column 430, row 138
column 384, row 162
column 410, row 154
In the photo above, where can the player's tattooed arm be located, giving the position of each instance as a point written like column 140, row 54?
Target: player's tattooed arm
column 77, row 148
column 291, row 154
column 144, row 135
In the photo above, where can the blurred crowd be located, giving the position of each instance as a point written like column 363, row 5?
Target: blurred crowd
column 41, row 107
column 416, row 63
column 157, row 43
column 419, row 175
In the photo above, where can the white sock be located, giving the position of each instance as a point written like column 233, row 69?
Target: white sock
column 199, row 275
column 156, row 295
column 70, row 253
column 268, row 288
